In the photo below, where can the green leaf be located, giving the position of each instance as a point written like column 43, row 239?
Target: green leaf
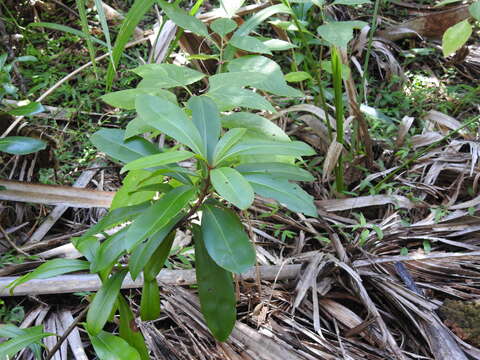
column 157, row 260
column 50, row 269
column 151, row 161
column 226, row 142
column 133, row 17
column 474, row 10
column 205, row 117
column 103, row 303
column 223, row 26
column 84, row 22
column 150, row 301
column 184, row 20
column 129, row 331
column 109, row 251
column 276, row 170
column 455, row 37
column 215, row 289
column 225, row 239
column 138, row 127
column 171, row 120
column 104, row 24
column 21, row 145
column 26, row 110
column 125, row 99
column 112, row 143
column 12, row 331
column 255, row 124
column 111, row 347
column 166, row 76
column 229, row 97
column 231, row 6
column 19, row 342
column 278, row 45
column 297, row 76
column 339, row 33
column 67, row 30
column 294, row 149
column 351, row 2
column 159, row 214
column 250, row 44
column 127, row 196
column 232, row 186
column 143, row 253
column 249, row 25
column 286, row 193
column 446, row 2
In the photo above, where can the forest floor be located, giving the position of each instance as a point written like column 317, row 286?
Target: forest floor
column 389, row 270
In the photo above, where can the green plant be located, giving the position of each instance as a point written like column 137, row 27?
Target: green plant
column 20, row 339
column 457, row 35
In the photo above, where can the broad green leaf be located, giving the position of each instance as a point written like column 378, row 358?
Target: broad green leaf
column 138, row 127
column 125, row 99
column 103, row 303
column 129, row 331
column 150, row 301
column 12, row 331
column 278, row 45
column 455, row 37
column 166, row 76
column 109, row 251
column 205, row 117
column 157, row 259
column 171, row 120
column 87, row 246
column 339, row 33
column 225, row 239
column 143, row 253
column 50, row 269
column 163, row 188
column 286, row 193
column 276, row 170
column 351, row 2
column 231, row 7
column 266, row 75
column 256, row 124
column 151, row 161
column 215, row 289
column 294, row 149
column 159, row 214
column 26, row 110
column 474, row 10
column 182, row 19
column 226, row 142
column 223, row 26
column 133, row 17
column 232, row 186
column 229, row 97
column 297, row 76
column 19, row 342
column 112, row 143
column 249, row 25
column 250, row 44
column 21, row 145
column 126, row 195
column 111, row 347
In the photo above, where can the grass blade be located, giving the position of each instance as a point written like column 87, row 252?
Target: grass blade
column 83, row 20
column 106, row 31
column 339, row 116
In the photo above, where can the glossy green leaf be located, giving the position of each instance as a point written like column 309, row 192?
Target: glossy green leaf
column 87, row 246
column 215, row 289
column 144, row 252
column 294, row 149
column 159, row 214
column 151, row 161
column 171, row 120
column 250, row 44
column 276, row 170
column 112, row 143
column 20, row 341
column 166, row 76
column 297, row 76
column 135, row 14
column 21, row 145
column 206, row 118
column 255, row 123
column 50, row 269
column 109, row 251
column 223, row 26
column 111, row 347
column 232, row 186
column 339, row 33
column 182, row 19
column 125, row 99
column 286, row 193
column 225, row 239
column 127, row 196
column 455, row 37
column 230, row 97
column 163, row 188
column 474, row 10
column 103, row 302
column 150, row 301
column 26, row 110
column 157, row 260
column 128, row 329
column 226, row 142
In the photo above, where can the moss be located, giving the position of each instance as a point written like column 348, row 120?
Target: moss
column 463, row 318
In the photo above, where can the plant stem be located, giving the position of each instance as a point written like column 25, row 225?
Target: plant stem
column 339, row 115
